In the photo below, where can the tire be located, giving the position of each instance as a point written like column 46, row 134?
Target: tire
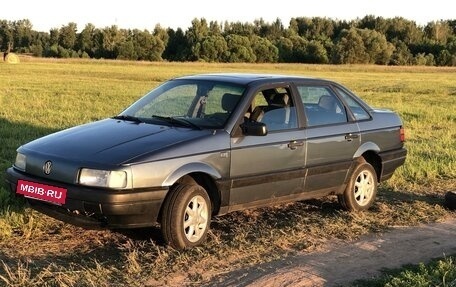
column 361, row 190
column 450, row 200
column 186, row 216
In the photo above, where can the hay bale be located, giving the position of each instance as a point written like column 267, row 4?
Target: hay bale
column 12, row 58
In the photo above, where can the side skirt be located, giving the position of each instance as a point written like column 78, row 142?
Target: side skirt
column 283, row 199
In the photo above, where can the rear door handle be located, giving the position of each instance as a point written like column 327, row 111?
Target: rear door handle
column 295, row 144
column 349, row 137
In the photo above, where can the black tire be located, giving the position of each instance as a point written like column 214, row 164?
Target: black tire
column 450, row 200
column 181, row 229
column 361, row 190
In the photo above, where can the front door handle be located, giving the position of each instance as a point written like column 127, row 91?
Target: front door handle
column 295, row 144
column 349, row 137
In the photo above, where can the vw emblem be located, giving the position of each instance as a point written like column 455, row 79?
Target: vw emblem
column 47, row 167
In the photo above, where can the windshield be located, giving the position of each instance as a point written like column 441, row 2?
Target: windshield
column 192, row 103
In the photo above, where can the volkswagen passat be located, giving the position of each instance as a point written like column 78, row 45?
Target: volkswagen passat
column 205, row 145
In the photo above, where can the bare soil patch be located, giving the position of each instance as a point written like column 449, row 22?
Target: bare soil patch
column 340, row 263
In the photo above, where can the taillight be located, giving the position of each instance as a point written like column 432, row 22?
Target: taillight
column 402, row 134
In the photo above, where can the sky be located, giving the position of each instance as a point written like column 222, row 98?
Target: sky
column 135, row 14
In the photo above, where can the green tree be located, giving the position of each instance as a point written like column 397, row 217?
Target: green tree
column 438, row 31
column 350, row 49
column 53, row 36
column 401, row 55
column 52, row 51
column 22, row 33
column 285, row 50
column 63, row 53
column 378, row 49
column 161, row 34
column 272, row 31
column 299, row 51
column 395, row 41
column 339, row 27
column 6, row 35
column 148, row 47
column 406, row 31
column 40, row 38
column 430, row 60
column 37, row 49
column 177, row 48
column 422, row 59
column 195, row 34
column 85, row 40
column 67, row 35
column 240, row 49
column 215, row 29
column 264, row 50
column 97, row 48
column 316, row 28
column 111, row 38
column 127, row 51
column 316, row 53
column 445, row 58
column 452, row 24
column 238, row 28
column 212, row 49
column 371, row 22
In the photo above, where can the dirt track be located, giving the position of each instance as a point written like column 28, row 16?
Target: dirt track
column 342, row 263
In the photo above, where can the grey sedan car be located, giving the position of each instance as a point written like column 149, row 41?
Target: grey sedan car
column 205, row 145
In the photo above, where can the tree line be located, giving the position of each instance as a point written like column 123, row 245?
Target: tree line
column 316, row 40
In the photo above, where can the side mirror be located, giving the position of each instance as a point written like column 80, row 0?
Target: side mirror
column 254, row 129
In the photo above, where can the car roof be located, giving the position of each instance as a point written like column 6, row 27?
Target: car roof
column 246, row 78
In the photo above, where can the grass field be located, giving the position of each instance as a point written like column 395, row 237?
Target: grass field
column 38, row 97
column 440, row 272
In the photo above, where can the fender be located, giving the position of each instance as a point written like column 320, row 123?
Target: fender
column 366, row 147
column 189, row 168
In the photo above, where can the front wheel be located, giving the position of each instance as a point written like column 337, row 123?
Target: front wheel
column 186, row 216
column 361, row 190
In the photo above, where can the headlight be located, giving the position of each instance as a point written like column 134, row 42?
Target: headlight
column 20, row 161
column 103, row 178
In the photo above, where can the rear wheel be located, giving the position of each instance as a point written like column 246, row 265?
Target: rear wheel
column 186, row 216
column 361, row 190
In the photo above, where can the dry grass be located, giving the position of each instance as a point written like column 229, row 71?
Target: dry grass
column 42, row 96
column 237, row 240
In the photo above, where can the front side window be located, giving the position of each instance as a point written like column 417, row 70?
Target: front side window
column 322, row 106
column 275, row 108
column 197, row 103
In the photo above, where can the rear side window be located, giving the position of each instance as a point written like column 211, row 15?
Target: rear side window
column 358, row 111
column 322, row 106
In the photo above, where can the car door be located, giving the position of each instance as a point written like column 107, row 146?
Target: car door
column 264, row 168
column 332, row 138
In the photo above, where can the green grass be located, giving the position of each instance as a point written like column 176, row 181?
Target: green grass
column 39, row 96
column 441, row 272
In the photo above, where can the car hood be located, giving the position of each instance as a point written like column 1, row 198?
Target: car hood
column 111, row 141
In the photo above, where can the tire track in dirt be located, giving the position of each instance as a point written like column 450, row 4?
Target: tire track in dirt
column 344, row 262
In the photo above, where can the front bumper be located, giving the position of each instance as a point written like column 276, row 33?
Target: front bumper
column 96, row 207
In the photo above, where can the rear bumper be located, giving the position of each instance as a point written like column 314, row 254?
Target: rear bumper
column 94, row 207
column 391, row 160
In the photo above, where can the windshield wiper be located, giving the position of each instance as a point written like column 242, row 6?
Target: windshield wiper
column 180, row 121
column 128, row 118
